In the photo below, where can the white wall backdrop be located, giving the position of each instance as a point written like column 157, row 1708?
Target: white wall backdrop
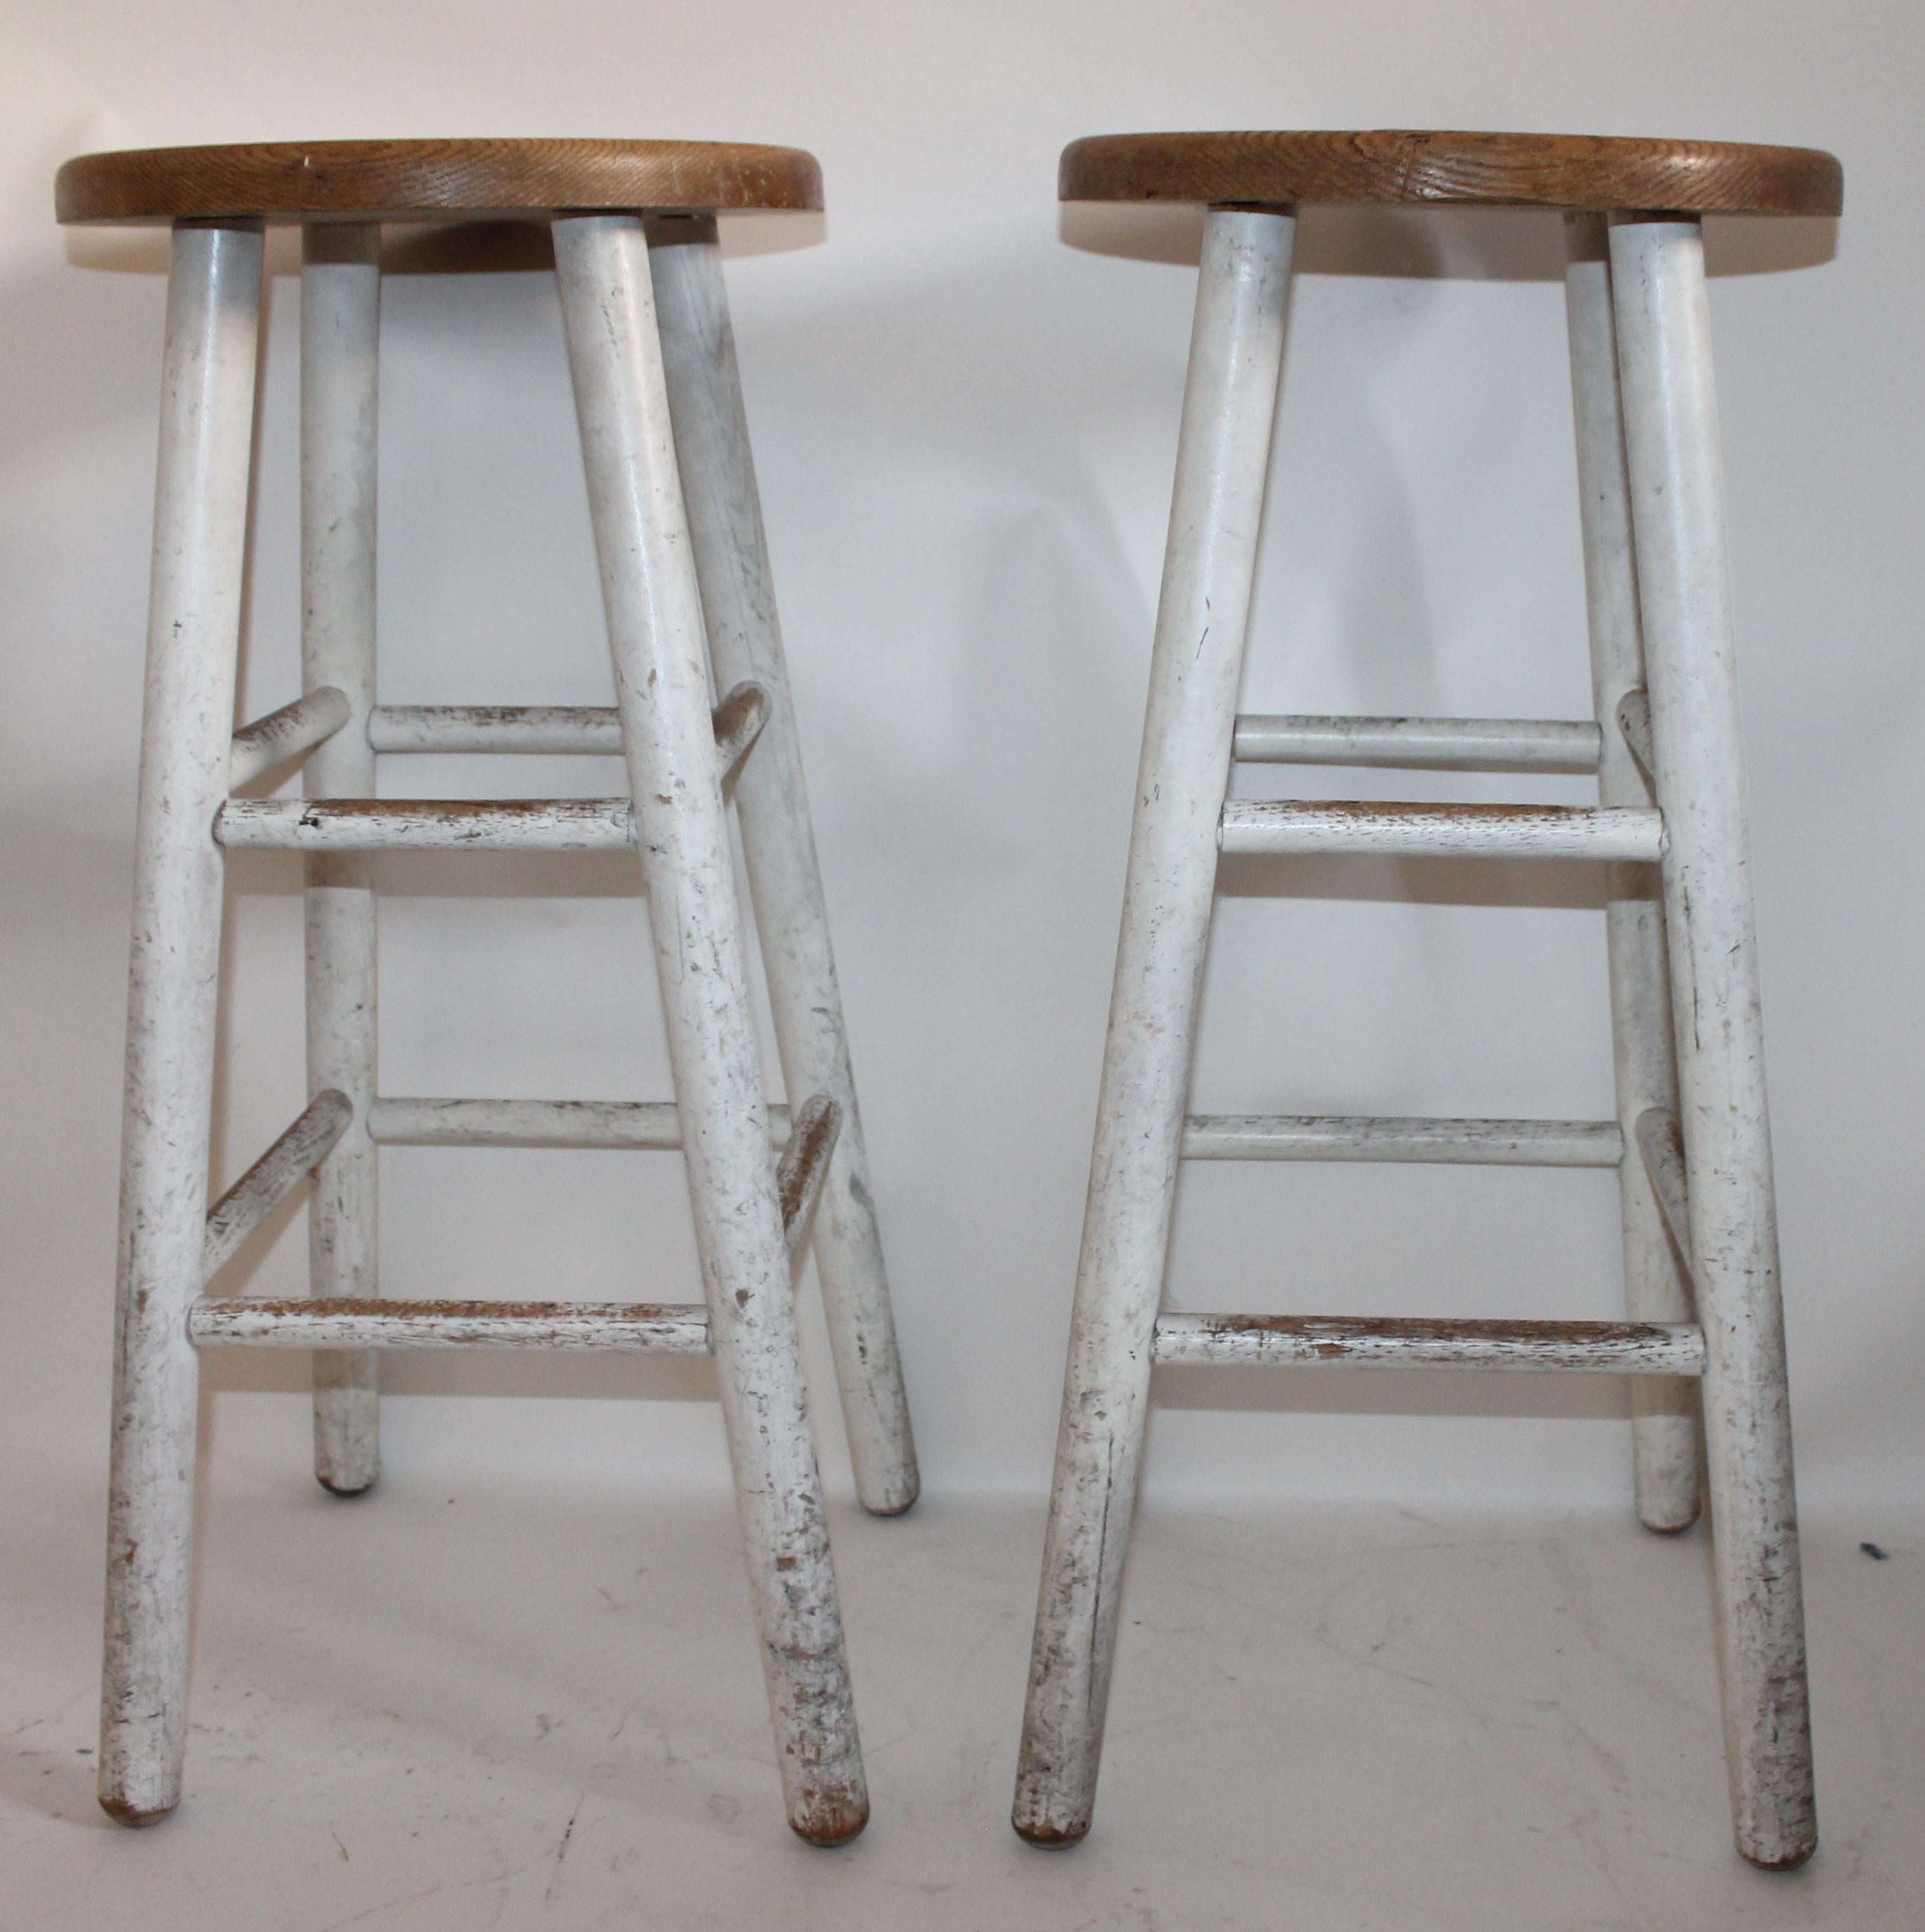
column 965, row 402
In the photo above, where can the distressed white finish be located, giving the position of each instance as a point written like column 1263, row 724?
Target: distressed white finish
column 778, row 844
column 1275, row 825
column 344, row 825
column 579, row 729
column 1664, row 1421
column 341, row 310
column 273, row 1177
column 200, row 516
column 657, row 639
column 1579, row 1348
column 1420, row 744
column 1366, row 1137
column 1229, row 405
column 1634, row 720
column 587, row 1123
column 1661, row 1144
column 615, row 1327
column 1671, row 436
column 804, row 1167
column 285, row 733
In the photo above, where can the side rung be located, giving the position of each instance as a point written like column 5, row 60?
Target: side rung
column 1577, row 1348
column 428, row 825
column 1421, row 744
column 805, row 1165
column 1274, row 825
column 285, row 733
column 1662, row 1144
column 273, row 1177
column 1362, row 1137
column 578, row 1124
column 625, row 1327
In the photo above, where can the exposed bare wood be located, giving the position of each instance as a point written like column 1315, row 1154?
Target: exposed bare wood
column 619, row 1327
column 1398, row 830
column 428, row 825
column 800, row 1173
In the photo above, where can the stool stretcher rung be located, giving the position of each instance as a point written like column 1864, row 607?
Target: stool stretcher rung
column 634, row 1328
column 273, row 1177
column 1398, row 830
column 1634, row 721
column 428, row 825
column 1363, row 1137
column 293, row 730
column 1661, row 1142
column 579, row 1124
column 1579, row 1348
column 1421, row 744
column 582, row 730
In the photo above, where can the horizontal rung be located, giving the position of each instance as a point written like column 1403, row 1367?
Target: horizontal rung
column 282, row 734
column 581, row 729
column 1275, row 825
column 1581, row 1348
column 627, row 1327
column 1362, row 1137
column 580, row 1123
column 1427, row 744
column 427, row 825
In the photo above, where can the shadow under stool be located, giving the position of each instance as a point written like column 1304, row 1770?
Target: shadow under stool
column 686, row 586
column 1691, row 1142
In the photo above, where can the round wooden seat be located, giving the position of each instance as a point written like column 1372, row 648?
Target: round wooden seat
column 432, row 180
column 1567, row 171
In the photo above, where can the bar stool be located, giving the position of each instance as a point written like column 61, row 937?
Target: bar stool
column 1690, row 1142
column 678, row 529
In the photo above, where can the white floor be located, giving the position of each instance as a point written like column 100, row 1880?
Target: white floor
column 437, row 1708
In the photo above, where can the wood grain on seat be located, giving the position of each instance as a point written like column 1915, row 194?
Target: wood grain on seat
column 1574, row 171
column 431, row 180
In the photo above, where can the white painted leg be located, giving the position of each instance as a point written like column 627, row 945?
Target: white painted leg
column 778, row 844
column 1664, row 1424
column 340, row 306
column 1229, row 404
column 655, row 632
column 200, row 520
column 1677, row 503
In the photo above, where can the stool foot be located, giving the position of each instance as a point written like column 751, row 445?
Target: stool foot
column 193, row 635
column 1223, row 457
column 656, row 639
column 1677, row 491
column 779, row 845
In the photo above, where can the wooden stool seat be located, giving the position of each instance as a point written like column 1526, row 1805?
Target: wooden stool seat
column 433, row 181
column 1397, row 165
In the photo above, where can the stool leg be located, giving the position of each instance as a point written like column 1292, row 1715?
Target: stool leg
column 655, row 633
column 340, row 305
column 1222, row 460
column 200, row 522
column 779, row 845
column 1664, row 1426
column 1676, row 493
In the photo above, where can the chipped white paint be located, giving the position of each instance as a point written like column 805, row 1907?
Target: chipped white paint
column 273, row 1177
column 778, row 844
column 655, row 630
column 1664, row 1422
column 1366, row 1137
column 342, row 825
column 615, row 1327
column 585, row 1124
column 1671, row 435
column 1634, row 720
column 200, row 515
column 1276, row 825
column 1229, row 405
column 340, row 309
column 1577, row 1347
column 1420, row 744
column 286, row 733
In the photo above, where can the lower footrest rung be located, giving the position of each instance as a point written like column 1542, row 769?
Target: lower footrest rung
column 1582, row 1348
column 1396, row 830
column 625, row 1327
column 1371, row 1137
